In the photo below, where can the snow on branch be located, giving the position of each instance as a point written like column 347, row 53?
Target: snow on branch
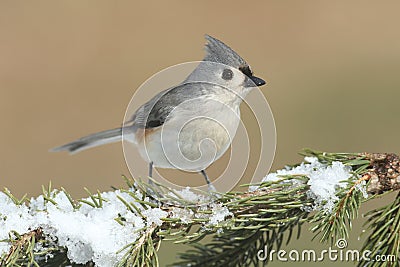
column 125, row 227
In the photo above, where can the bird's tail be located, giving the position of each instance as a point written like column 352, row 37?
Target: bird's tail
column 92, row 140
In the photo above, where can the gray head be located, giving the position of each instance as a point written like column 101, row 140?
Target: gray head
column 223, row 66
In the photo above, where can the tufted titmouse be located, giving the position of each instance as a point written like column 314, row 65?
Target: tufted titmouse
column 191, row 125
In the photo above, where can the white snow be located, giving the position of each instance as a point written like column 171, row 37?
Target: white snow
column 185, row 215
column 154, row 216
column 88, row 233
column 362, row 187
column 91, row 233
column 219, row 213
column 188, row 195
column 324, row 180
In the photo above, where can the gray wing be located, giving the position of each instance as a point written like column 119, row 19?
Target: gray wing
column 155, row 112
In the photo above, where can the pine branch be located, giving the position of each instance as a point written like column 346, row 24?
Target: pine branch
column 240, row 224
column 385, row 238
column 259, row 219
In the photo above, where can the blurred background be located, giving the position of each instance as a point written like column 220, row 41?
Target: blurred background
column 69, row 68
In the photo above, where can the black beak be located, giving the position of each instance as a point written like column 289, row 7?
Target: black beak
column 253, row 80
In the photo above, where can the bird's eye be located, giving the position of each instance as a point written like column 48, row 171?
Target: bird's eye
column 227, row 74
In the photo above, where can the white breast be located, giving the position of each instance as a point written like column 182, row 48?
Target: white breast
column 193, row 137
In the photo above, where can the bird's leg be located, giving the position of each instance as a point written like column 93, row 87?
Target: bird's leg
column 211, row 188
column 151, row 169
column 203, row 172
column 151, row 189
column 150, row 172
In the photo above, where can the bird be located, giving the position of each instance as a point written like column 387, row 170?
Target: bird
column 190, row 125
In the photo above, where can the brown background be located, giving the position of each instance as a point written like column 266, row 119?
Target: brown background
column 69, row 68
